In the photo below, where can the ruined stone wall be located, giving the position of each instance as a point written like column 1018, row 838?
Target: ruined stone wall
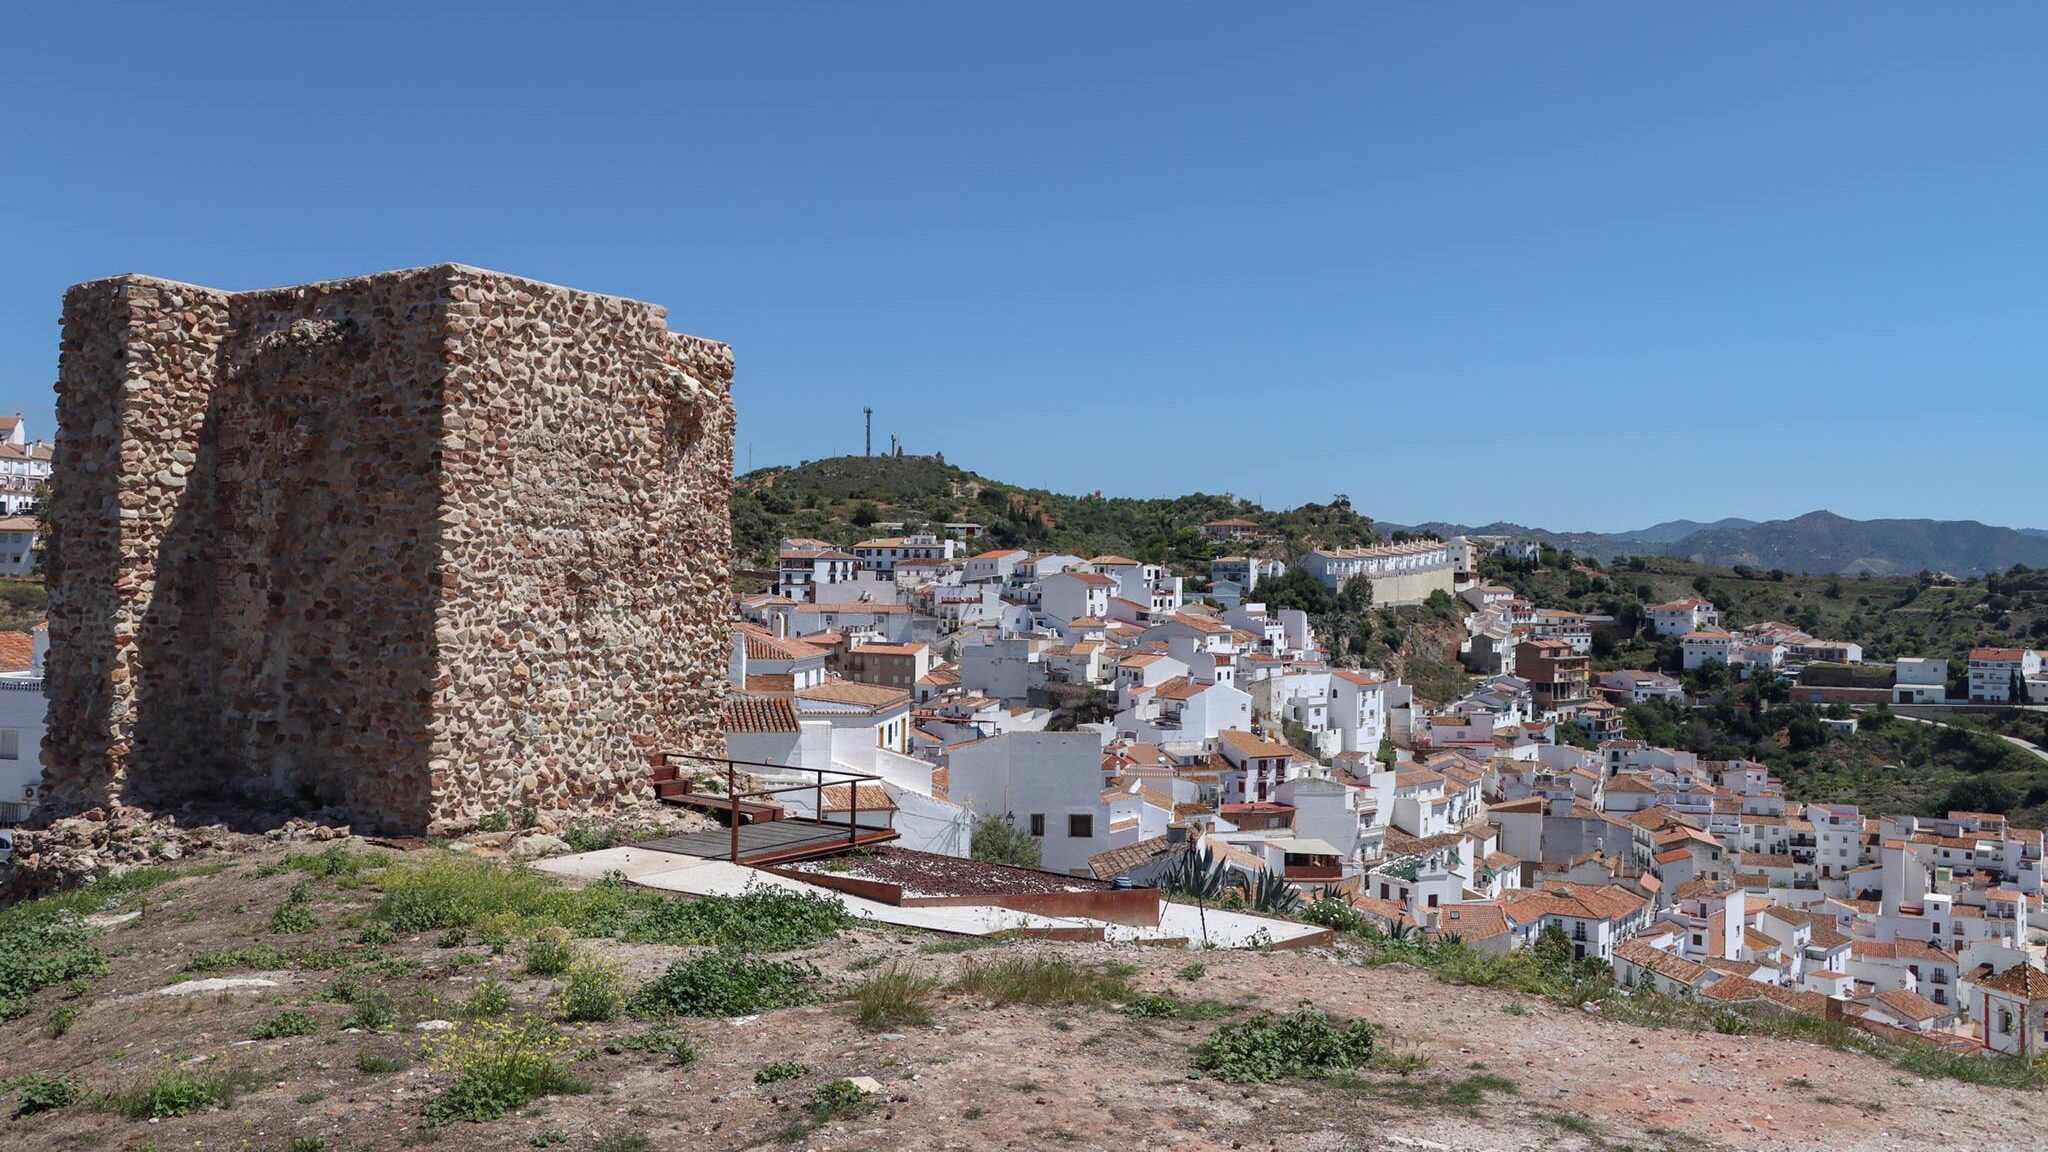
column 424, row 545
column 135, row 380
column 587, row 536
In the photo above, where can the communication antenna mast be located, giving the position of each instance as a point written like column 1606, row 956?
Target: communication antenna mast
column 868, row 449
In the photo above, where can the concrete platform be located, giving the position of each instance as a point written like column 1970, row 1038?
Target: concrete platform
column 667, row 871
column 772, row 841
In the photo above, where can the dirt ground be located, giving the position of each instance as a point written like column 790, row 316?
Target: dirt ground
column 979, row 1076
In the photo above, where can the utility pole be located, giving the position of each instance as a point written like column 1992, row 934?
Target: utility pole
column 869, row 448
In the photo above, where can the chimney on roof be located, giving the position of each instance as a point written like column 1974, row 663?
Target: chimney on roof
column 1176, row 834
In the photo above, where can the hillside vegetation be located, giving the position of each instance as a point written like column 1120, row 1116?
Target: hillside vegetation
column 1890, row 764
column 1889, row 616
column 840, row 499
column 347, row 999
column 1818, row 543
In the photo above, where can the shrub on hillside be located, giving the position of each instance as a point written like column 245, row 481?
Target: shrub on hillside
column 722, row 984
column 757, row 920
column 498, row 1068
column 1305, row 1042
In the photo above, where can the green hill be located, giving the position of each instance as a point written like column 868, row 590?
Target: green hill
column 842, row 498
column 1889, row 616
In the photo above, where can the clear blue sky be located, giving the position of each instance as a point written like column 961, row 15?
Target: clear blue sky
column 1582, row 266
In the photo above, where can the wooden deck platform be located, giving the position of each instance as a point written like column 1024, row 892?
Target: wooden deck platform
column 772, row 841
column 679, row 791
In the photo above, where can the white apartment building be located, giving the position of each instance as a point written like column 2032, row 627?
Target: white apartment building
column 1919, row 680
column 1046, row 784
column 881, row 555
column 1073, row 594
column 1705, row 647
column 24, row 467
column 802, row 564
column 1400, row 573
column 1682, row 616
column 1994, row 672
column 18, row 555
column 23, row 709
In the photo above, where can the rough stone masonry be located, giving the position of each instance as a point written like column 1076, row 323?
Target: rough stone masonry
column 427, row 546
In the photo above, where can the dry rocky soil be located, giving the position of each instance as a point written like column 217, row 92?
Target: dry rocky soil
column 978, row 1075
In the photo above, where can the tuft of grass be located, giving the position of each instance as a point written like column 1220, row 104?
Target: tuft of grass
column 380, row 1063
column 336, row 862
column 290, row 1022
column 621, row 1142
column 1573, row 1122
column 1306, row 1042
column 60, row 1020
column 488, row 999
column 1040, row 980
column 894, row 997
column 1192, row 972
column 960, row 944
column 1165, row 1006
column 1472, row 1090
column 550, row 953
column 268, row 957
column 665, row 1040
column 593, row 991
column 722, row 984
column 372, row 1014
column 180, row 1091
column 459, row 892
column 1403, row 1061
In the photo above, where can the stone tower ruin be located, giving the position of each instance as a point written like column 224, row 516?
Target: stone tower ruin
column 426, row 545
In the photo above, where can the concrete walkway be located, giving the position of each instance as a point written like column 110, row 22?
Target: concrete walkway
column 694, row 876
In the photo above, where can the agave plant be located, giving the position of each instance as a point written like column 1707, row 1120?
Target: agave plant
column 1197, row 876
column 1275, row 896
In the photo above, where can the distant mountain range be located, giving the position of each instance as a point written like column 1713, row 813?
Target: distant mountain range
column 1816, row 543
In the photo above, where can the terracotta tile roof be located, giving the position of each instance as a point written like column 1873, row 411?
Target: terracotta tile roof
column 873, row 798
column 1583, row 902
column 1117, row 861
column 1246, row 744
column 1736, row 989
column 17, row 651
column 771, row 682
column 869, row 696
column 1390, row 911
column 1911, row 1005
column 1665, row 964
column 1473, row 920
column 2021, row 980
column 763, row 645
column 758, row 714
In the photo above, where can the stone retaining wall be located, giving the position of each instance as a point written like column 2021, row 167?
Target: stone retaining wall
column 425, row 545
